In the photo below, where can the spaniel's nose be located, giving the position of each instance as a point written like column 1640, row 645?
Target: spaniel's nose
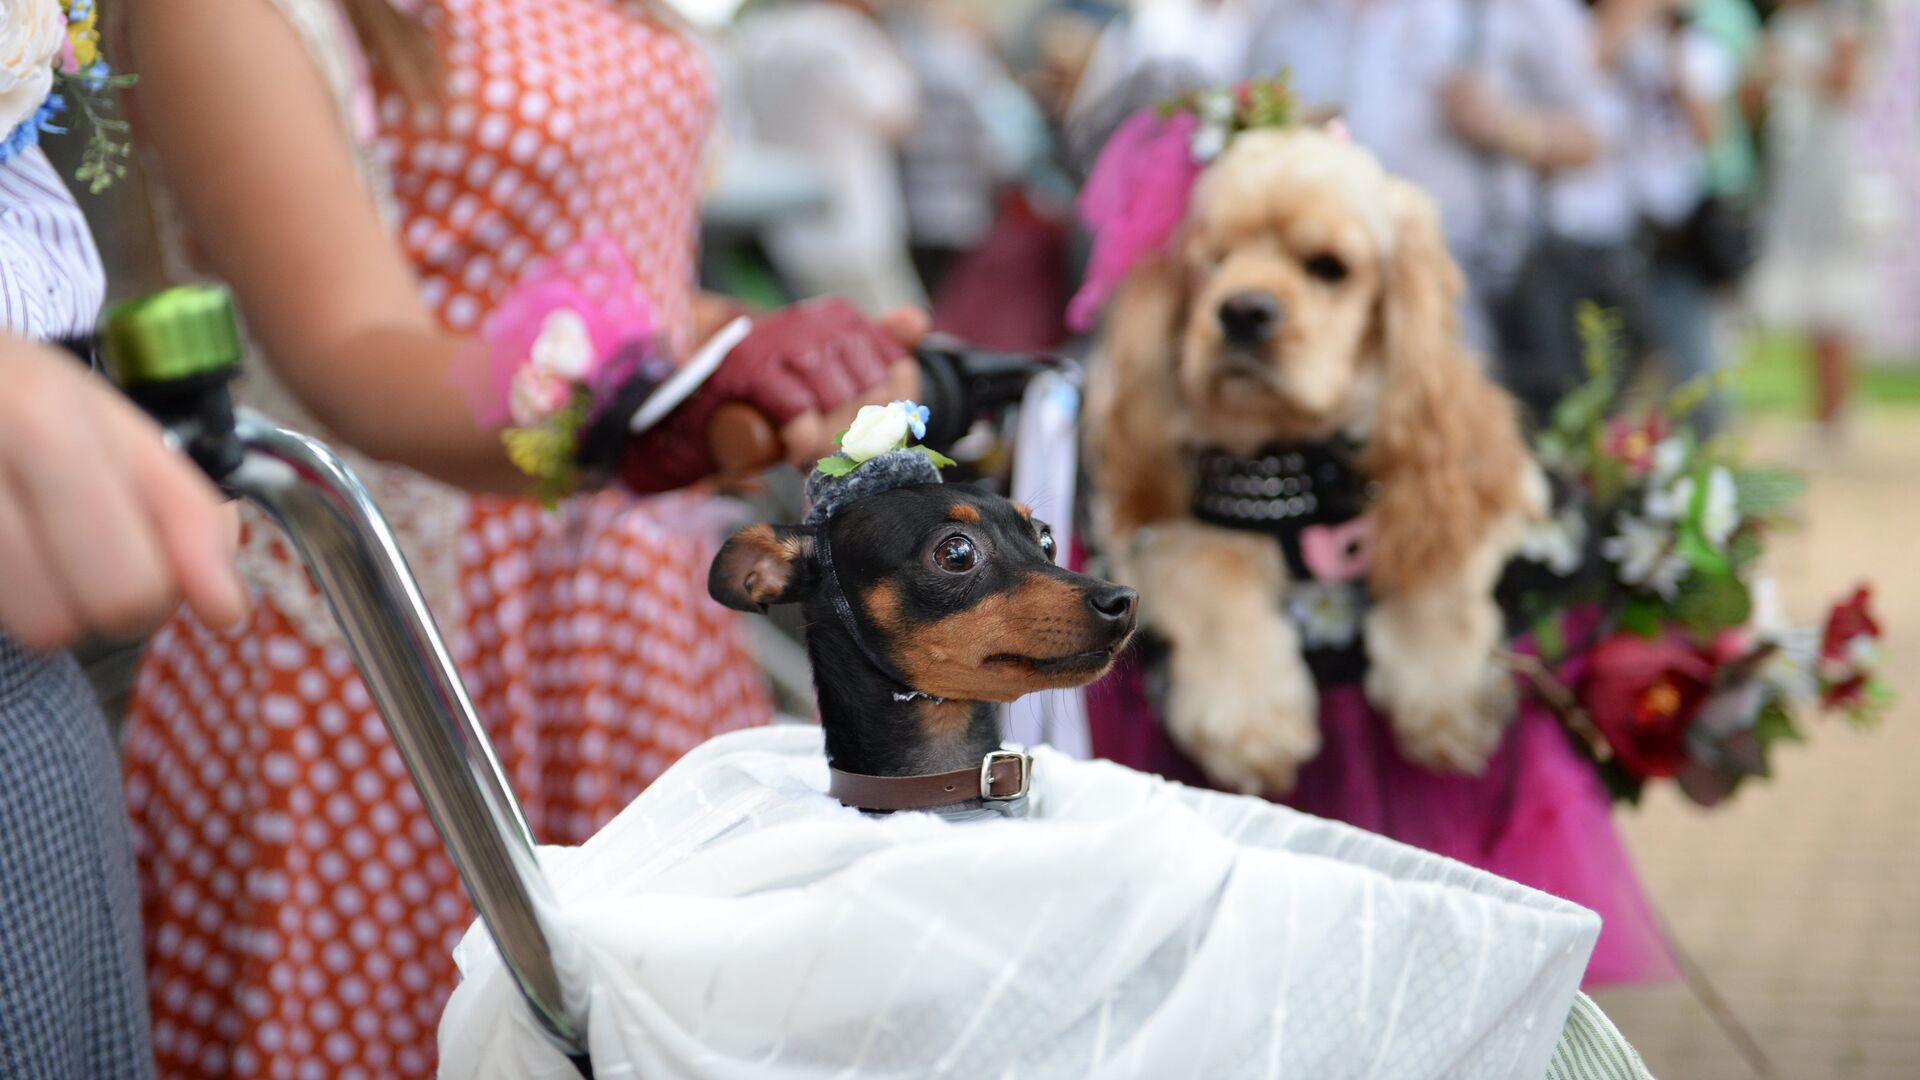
column 1250, row 318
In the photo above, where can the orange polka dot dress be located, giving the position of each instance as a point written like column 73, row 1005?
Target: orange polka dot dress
column 299, row 907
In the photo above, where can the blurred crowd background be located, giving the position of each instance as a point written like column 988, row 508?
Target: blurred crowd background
column 929, row 151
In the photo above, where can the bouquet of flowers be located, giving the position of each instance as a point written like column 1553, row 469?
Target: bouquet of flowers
column 1655, row 643
column 51, row 63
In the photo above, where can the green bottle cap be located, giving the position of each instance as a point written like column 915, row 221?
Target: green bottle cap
column 171, row 335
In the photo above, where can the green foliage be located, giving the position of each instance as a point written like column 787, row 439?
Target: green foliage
column 1549, row 640
column 836, row 464
column 109, row 142
column 1643, row 616
column 1764, row 492
column 1775, row 724
column 940, row 460
column 1710, row 603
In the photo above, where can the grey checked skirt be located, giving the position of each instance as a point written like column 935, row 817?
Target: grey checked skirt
column 73, row 1000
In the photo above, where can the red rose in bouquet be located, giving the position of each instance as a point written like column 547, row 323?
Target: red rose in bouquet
column 1851, row 631
column 1644, row 694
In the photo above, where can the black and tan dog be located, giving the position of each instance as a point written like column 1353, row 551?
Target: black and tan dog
column 926, row 607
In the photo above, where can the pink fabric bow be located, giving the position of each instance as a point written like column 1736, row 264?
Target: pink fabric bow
column 1134, row 199
column 593, row 279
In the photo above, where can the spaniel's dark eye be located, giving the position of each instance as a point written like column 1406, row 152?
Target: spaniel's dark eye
column 1047, row 546
column 955, row 555
column 1327, row 268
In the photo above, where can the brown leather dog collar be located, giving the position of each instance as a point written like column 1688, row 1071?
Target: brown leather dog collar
column 1002, row 776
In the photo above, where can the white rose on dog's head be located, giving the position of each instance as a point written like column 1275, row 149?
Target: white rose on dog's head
column 31, row 34
column 876, row 430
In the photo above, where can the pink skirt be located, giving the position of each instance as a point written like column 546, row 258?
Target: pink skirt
column 1537, row 815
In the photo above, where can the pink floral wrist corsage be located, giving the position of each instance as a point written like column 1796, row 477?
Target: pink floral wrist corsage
column 572, row 353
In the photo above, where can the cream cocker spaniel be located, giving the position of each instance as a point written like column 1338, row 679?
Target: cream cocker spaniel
column 1308, row 297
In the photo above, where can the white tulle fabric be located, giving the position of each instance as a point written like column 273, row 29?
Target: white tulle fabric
column 426, row 515
column 736, row 922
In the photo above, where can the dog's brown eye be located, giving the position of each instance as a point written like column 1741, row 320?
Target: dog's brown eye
column 1327, row 268
column 1047, row 545
column 955, row 555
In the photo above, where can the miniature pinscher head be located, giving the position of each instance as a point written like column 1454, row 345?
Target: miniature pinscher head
column 957, row 605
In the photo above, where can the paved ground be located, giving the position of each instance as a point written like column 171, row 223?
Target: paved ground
column 1801, row 899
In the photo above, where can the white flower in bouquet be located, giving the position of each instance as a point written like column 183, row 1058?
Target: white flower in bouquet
column 1668, row 458
column 31, row 35
column 1216, row 108
column 535, row 395
column 1557, row 543
column 1669, row 504
column 1790, row 668
column 1645, row 553
column 1328, row 613
column 564, row 347
column 1721, row 514
column 876, row 430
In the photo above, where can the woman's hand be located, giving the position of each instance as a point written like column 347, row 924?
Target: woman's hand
column 103, row 528
column 810, row 437
column 807, row 369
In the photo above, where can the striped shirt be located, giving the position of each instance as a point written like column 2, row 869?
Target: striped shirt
column 1591, row 1048
column 51, row 281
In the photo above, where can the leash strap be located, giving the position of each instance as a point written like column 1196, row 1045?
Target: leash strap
column 829, row 577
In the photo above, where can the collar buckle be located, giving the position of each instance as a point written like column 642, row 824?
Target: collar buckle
column 1024, row 775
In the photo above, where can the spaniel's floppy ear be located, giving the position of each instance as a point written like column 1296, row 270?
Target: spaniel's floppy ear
column 1445, row 447
column 1134, row 409
column 762, row 565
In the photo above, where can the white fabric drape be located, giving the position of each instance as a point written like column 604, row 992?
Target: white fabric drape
column 736, row 922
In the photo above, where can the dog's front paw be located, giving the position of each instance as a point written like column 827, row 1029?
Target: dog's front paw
column 1249, row 733
column 1448, row 729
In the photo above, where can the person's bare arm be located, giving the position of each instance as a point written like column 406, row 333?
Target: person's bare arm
column 1844, row 64
column 1541, row 138
column 251, row 147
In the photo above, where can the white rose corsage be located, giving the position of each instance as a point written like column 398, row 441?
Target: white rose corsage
column 881, row 429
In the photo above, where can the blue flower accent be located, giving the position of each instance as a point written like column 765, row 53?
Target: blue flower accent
column 917, row 418
column 28, row 133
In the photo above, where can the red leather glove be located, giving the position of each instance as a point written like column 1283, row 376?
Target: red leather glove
column 812, row 357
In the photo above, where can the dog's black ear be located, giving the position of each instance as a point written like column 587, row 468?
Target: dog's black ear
column 762, row 565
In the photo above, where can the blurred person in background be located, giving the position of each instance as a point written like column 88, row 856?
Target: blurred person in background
column 1674, row 80
column 373, row 184
column 1815, row 278
column 822, row 78
column 1198, row 42
column 1474, row 100
column 977, row 132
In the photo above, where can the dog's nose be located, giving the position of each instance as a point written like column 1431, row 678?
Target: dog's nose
column 1250, row 318
column 1114, row 604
